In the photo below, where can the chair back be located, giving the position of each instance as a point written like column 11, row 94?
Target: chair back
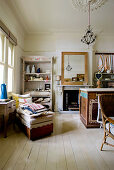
column 107, row 104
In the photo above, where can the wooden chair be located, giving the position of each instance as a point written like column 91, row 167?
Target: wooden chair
column 107, row 110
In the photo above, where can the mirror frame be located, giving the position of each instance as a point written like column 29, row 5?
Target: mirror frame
column 63, row 82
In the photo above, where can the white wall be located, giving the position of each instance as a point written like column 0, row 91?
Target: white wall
column 51, row 44
column 54, row 43
column 8, row 18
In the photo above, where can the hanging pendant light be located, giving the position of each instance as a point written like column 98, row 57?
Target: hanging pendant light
column 89, row 36
column 68, row 68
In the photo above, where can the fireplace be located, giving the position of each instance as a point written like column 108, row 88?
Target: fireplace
column 71, row 100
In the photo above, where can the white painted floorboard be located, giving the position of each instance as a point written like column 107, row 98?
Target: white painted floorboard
column 70, row 147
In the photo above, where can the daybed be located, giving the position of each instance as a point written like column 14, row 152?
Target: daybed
column 34, row 119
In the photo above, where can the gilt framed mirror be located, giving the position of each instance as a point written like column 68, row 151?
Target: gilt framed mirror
column 74, row 68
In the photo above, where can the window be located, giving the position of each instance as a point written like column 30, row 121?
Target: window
column 1, row 51
column 2, row 64
column 10, row 66
column 7, row 62
column 10, row 55
column 10, row 79
column 7, row 44
column 1, row 73
column 1, row 48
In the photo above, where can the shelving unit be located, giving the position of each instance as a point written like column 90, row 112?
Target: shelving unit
column 107, row 80
column 37, row 73
column 39, row 85
column 105, row 65
column 38, row 80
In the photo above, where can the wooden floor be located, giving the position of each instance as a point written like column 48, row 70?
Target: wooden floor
column 70, row 147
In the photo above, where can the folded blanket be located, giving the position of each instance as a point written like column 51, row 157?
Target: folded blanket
column 30, row 113
column 33, row 106
column 29, row 110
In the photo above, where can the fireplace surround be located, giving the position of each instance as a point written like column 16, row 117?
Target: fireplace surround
column 68, row 98
column 71, row 100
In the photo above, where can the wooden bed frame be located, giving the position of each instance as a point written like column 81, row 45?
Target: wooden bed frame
column 35, row 133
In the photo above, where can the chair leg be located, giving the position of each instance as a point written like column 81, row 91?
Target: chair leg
column 102, row 146
column 104, row 140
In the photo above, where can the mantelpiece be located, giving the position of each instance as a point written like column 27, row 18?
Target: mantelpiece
column 63, row 90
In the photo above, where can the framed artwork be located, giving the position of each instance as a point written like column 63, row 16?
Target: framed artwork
column 80, row 77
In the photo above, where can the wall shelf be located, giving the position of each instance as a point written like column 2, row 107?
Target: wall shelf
column 38, row 81
column 37, row 73
column 37, row 88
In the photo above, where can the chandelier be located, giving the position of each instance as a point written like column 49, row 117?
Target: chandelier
column 89, row 36
column 83, row 4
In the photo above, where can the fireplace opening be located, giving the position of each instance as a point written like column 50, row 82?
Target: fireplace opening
column 71, row 100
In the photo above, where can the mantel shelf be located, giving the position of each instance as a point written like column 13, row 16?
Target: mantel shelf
column 75, row 85
column 38, row 81
column 37, row 73
column 108, row 73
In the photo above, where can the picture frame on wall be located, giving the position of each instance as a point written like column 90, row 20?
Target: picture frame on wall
column 80, row 77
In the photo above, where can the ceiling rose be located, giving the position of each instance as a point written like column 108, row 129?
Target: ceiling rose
column 83, row 4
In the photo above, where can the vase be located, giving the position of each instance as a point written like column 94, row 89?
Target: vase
column 33, row 69
column 28, row 69
column 3, row 91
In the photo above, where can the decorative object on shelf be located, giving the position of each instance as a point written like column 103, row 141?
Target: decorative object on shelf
column 58, row 79
column 83, row 4
column 33, row 69
column 47, row 86
column 31, row 78
column 39, row 100
column 28, row 69
column 89, row 36
column 74, row 79
column 68, row 68
column 105, row 62
column 80, row 77
column 98, row 77
column 46, row 100
column 38, row 70
column 3, row 92
column 100, row 65
column 108, row 71
column 47, row 78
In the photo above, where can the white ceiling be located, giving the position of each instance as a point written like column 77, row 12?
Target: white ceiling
column 60, row 16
